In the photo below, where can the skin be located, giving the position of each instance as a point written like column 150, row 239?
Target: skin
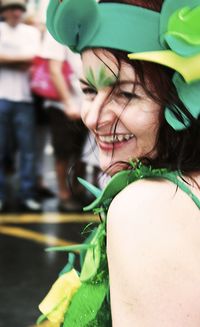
column 153, row 242
column 128, row 111
column 71, row 109
column 153, row 249
column 13, row 16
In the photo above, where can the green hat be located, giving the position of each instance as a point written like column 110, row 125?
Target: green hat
column 170, row 38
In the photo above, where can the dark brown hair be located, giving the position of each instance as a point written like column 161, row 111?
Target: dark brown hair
column 176, row 150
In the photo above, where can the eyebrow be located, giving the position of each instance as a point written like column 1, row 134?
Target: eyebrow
column 127, row 82
column 122, row 82
column 81, row 80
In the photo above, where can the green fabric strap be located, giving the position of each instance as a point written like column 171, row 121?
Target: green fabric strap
column 174, row 177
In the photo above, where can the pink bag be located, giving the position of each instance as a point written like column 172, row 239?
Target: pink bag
column 41, row 83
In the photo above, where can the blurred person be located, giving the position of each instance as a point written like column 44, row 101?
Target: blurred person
column 67, row 131
column 38, row 14
column 42, row 138
column 18, row 45
column 89, row 170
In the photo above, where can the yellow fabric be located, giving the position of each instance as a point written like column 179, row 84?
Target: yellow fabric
column 55, row 304
column 47, row 323
column 188, row 67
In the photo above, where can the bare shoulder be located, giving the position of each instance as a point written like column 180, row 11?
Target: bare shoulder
column 154, row 210
column 152, row 198
column 153, row 242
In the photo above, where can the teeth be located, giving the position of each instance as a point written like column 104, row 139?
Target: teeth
column 107, row 139
column 115, row 138
column 120, row 138
column 128, row 137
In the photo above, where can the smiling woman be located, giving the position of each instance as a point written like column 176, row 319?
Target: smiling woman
column 121, row 115
column 131, row 81
column 141, row 102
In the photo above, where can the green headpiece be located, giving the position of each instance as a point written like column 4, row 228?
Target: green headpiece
column 170, row 38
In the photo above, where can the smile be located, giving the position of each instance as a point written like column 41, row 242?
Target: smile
column 117, row 138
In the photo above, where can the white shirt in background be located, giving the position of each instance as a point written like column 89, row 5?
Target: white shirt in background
column 52, row 50
column 22, row 40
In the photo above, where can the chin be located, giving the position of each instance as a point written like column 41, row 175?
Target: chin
column 112, row 166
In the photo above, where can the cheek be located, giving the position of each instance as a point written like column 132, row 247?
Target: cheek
column 84, row 111
column 142, row 120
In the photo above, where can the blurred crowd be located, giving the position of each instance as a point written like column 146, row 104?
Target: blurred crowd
column 40, row 98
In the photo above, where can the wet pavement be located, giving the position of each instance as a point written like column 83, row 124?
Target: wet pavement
column 26, row 270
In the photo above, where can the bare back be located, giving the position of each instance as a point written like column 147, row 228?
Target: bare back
column 154, row 256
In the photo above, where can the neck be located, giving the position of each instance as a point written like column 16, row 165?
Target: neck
column 12, row 24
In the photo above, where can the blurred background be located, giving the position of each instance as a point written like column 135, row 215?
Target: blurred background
column 43, row 148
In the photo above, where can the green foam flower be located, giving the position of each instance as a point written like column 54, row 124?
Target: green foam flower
column 183, row 31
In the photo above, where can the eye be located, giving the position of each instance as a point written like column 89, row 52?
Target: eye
column 88, row 90
column 128, row 95
column 89, row 93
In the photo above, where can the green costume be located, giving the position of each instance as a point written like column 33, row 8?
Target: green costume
column 89, row 306
column 170, row 38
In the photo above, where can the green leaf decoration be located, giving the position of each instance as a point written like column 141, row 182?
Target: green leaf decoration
column 91, row 188
column 87, row 241
column 41, row 319
column 70, row 264
column 78, row 247
column 86, row 304
column 103, row 318
column 93, row 256
column 120, row 180
column 115, row 185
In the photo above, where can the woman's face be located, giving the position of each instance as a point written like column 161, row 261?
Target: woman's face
column 123, row 119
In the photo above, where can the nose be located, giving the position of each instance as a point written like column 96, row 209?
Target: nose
column 17, row 13
column 98, row 112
